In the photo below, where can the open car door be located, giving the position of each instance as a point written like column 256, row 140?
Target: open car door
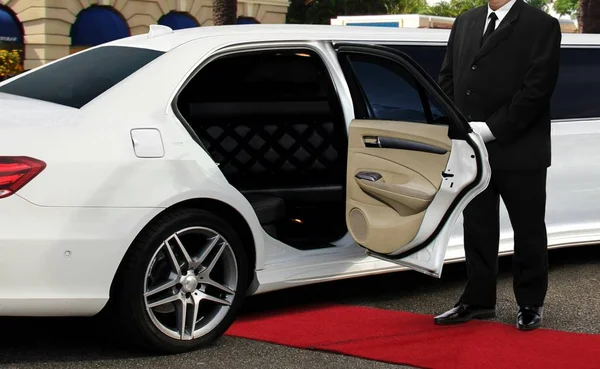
column 413, row 162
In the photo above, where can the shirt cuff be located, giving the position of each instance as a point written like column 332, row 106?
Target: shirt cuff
column 486, row 133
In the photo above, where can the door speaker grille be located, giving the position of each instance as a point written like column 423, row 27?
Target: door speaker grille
column 358, row 225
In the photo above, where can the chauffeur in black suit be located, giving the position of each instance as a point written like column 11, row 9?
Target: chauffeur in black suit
column 500, row 69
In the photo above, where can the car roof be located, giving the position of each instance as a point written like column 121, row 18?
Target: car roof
column 164, row 39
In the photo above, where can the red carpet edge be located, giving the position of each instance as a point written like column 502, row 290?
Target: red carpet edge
column 412, row 339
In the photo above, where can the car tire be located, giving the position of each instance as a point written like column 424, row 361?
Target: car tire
column 144, row 271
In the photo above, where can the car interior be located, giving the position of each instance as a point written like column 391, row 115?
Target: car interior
column 273, row 122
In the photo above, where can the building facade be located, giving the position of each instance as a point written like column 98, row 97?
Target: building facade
column 46, row 30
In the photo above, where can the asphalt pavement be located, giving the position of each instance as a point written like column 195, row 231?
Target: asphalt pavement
column 573, row 304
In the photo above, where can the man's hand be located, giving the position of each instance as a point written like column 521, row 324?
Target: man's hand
column 483, row 130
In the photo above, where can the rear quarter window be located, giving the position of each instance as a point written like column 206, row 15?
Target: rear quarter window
column 79, row 79
column 577, row 93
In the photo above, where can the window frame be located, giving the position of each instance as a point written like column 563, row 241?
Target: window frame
column 458, row 125
column 318, row 47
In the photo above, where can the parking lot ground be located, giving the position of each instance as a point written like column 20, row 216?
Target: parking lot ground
column 573, row 304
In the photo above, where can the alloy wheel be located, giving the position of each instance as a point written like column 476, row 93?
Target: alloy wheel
column 190, row 282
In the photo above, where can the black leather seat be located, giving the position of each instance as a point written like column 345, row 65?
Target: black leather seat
column 269, row 210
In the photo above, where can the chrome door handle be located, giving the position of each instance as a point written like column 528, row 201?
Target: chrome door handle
column 368, row 176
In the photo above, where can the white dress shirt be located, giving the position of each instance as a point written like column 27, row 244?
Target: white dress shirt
column 481, row 127
column 500, row 13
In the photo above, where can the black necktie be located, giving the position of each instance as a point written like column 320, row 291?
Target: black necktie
column 491, row 27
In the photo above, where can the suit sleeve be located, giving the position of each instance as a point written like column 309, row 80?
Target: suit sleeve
column 508, row 122
column 446, row 77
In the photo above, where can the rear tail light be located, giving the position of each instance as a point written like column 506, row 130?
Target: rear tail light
column 16, row 172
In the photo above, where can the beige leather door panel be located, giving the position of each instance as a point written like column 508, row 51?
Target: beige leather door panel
column 394, row 172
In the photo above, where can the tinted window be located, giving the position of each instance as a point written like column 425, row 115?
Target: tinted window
column 577, row 93
column 429, row 58
column 77, row 80
column 393, row 93
column 577, row 90
column 268, row 77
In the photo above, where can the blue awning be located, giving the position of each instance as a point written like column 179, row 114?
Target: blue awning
column 10, row 27
column 178, row 20
column 246, row 20
column 97, row 25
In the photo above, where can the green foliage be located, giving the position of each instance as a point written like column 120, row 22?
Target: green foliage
column 454, row 8
column 566, row 7
column 405, row 6
column 540, row 4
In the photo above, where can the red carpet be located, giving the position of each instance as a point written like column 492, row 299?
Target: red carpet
column 412, row 339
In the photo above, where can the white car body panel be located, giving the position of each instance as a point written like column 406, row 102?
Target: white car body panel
column 61, row 261
column 63, row 235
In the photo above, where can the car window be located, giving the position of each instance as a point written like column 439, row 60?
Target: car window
column 577, row 88
column 430, row 58
column 392, row 93
column 77, row 80
column 577, row 93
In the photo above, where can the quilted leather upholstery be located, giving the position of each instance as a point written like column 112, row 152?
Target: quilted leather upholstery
column 286, row 152
column 271, row 120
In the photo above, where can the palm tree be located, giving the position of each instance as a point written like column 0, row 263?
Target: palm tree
column 588, row 17
column 224, row 12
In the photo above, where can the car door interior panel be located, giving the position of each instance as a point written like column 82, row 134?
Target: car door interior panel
column 412, row 165
column 390, row 188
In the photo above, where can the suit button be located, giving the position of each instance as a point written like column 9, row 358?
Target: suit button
column 469, row 117
column 474, row 67
column 468, row 92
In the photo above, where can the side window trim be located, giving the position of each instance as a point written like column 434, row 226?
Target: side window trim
column 362, row 109
column 425, row 103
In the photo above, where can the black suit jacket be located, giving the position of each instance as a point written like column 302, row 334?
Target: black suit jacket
column 507, row 82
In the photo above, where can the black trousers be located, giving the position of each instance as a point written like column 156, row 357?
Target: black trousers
column 524, row 194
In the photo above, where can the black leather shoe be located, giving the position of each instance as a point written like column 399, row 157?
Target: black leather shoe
column 529, row 317
column 462, row 313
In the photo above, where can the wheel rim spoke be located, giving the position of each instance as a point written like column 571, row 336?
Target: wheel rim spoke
column 215, row 300
column 172, row 258
column 194, row 316
column 186, row 256
column 220, row 286
column 207, row 251
column 164, row 301
column 161, row 288
column 182, row 318
column 216, row 258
